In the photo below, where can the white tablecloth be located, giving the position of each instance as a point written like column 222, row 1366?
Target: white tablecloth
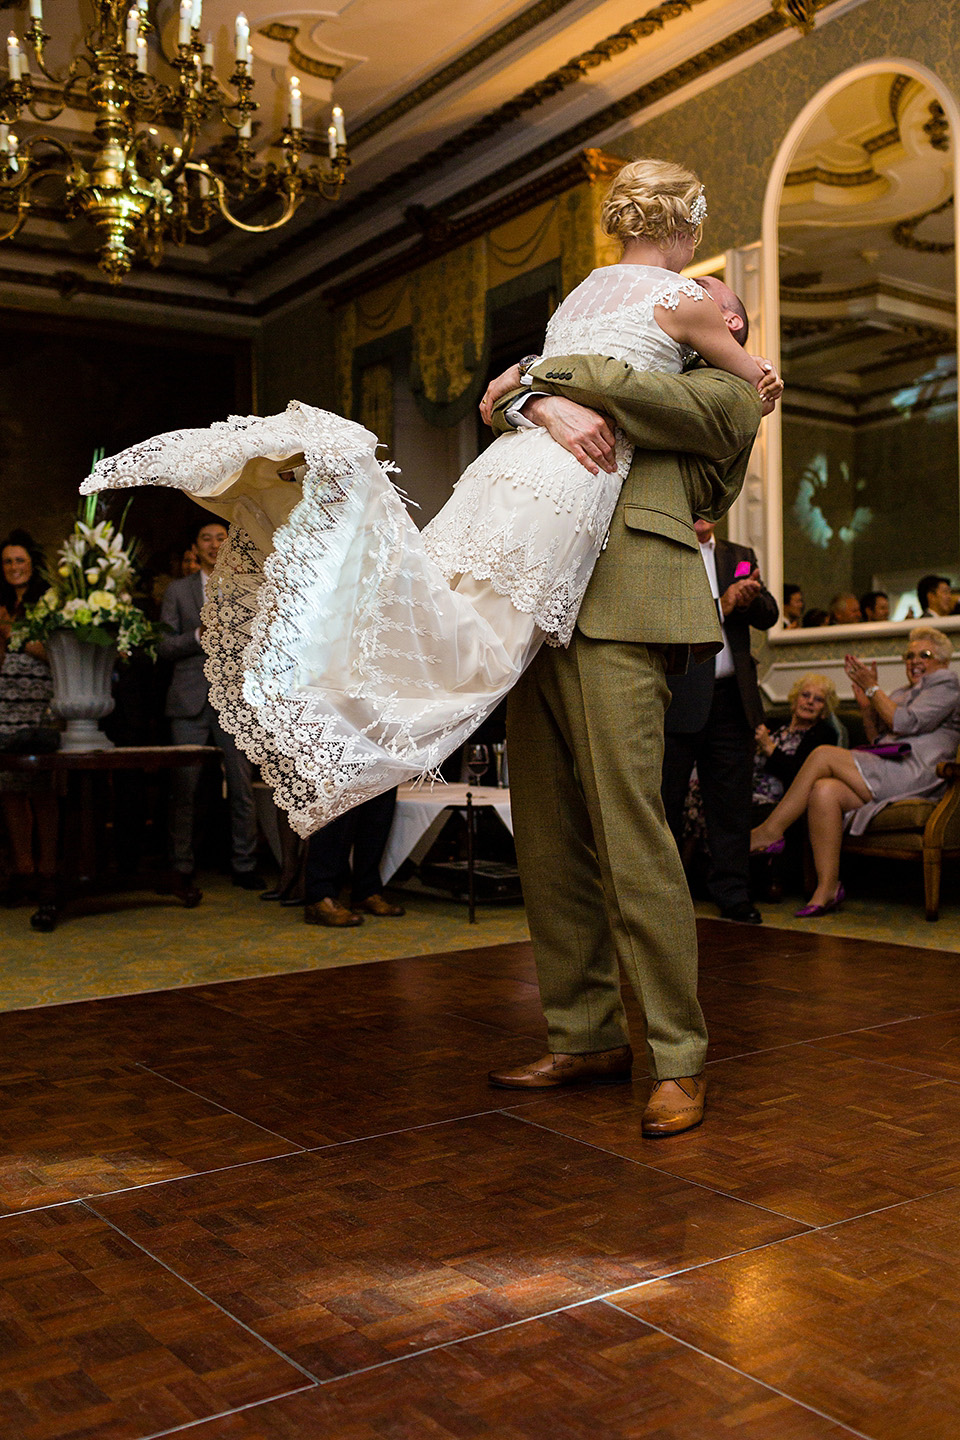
column 421, row 812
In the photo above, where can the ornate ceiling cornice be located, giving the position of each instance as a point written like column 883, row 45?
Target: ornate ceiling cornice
column 491, row 45
column 579, row 135
column 323, row 69
column 904, row 233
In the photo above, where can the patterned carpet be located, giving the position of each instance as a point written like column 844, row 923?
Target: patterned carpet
column 126, row 944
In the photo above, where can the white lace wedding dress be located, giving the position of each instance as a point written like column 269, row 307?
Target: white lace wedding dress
column 348, row 651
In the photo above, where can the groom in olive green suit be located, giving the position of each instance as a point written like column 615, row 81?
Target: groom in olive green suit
column 601, row 875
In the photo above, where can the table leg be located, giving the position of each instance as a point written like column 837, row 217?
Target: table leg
column 471, row 871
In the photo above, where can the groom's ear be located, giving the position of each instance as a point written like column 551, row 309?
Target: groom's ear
column 734, row 323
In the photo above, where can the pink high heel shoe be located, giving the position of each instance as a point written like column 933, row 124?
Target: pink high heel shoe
column 811, row 912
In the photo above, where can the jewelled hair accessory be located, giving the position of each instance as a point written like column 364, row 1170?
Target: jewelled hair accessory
column 698, row 210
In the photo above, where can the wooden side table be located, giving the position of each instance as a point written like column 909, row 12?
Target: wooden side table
column 78, row 770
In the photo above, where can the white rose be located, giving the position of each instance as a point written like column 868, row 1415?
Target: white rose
column 101, row 600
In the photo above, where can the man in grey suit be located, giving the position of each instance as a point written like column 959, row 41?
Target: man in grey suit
column 193, row 721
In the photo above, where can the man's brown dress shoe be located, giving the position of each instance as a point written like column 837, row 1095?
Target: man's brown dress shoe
column 596, row 1067
column 377, row 905
column 674, row 1106
column 330, row 912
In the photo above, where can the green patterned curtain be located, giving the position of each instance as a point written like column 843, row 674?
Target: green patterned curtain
column 449, row 321
column 376, row 404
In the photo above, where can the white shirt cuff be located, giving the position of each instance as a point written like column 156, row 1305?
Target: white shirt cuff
column 514, row 415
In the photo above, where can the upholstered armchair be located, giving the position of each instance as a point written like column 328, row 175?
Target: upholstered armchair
column 917, row 829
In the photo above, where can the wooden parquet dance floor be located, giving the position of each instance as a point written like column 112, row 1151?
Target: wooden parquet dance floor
column 293, row 1209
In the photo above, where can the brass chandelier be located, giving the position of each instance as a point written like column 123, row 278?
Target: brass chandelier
column 138, row 190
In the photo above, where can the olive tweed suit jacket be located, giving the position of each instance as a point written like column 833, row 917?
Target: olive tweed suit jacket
column 693, row 434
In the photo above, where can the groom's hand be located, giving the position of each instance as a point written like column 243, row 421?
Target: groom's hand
column 585, row 433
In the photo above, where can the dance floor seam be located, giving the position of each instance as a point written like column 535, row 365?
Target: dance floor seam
column 293, row 1207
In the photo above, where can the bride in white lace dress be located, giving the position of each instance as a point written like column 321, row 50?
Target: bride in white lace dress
column 348, row 651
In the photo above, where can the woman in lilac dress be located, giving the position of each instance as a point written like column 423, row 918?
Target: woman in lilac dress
column 845, row 787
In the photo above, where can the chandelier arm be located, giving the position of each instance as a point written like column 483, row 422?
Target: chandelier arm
column 23, row 209
column 291, row 200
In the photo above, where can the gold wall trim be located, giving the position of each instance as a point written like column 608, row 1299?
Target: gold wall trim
column 323, row 69
column 515, row 29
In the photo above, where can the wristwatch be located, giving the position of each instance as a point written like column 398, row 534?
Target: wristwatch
column 871, row 691
column 526, row 365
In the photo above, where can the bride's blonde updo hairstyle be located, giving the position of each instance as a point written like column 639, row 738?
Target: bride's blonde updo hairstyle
column 653, row 200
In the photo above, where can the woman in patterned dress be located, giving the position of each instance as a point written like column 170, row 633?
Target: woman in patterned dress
column 29, row 801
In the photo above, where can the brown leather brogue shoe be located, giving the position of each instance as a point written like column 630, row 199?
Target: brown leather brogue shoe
column 377, row 905
column 674, row 1106
column 596, row 1067
column 330, row 912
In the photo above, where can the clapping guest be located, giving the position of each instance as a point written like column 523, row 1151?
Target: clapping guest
column 29, row 801
column 832, row 783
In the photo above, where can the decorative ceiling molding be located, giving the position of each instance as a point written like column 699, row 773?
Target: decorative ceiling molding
column 904, row 233
column 323, row 69
column 553, row 84
column 515, row 29
column 867, row 292
column 731, row 47
column 799, row 13
column 937, row 128
column 816, row 174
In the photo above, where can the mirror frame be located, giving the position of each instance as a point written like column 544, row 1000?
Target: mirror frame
column 773, row 459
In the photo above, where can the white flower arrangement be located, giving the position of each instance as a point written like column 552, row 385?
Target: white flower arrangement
column 91, row 591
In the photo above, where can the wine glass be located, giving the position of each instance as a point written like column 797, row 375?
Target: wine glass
column 477, row 760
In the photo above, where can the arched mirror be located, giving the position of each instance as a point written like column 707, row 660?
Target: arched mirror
column 866, row 245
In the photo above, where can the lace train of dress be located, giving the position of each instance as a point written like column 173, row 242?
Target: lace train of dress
column 348, row 651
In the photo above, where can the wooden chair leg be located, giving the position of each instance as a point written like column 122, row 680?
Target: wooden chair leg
column 931, row 883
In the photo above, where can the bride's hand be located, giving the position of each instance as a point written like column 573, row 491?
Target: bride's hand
column 770, row 385
column 587, row 435
column 509, row 380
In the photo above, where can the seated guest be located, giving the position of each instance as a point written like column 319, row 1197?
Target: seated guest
column 814, row 617
column 29, row 800
column 935, row 596
column 875, row 605
column 193, row 721
column 362, row 831
column 780, row 753
column 792, row 607
column 834, row 784
column 844, row 609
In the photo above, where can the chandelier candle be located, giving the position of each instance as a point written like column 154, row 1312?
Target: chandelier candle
column 339, row 127
column 14, row 58
column 36, row 9
column 243, row 35
column 127, row 184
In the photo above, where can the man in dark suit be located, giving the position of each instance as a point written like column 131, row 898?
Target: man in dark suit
column 193, row 721
column 714, row 711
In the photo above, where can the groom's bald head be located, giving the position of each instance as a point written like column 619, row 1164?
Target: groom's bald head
column 730, row 305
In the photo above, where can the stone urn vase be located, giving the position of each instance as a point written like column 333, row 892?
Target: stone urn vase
column 82, row 683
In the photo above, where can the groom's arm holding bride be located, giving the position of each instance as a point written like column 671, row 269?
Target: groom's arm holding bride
column 706, row 412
